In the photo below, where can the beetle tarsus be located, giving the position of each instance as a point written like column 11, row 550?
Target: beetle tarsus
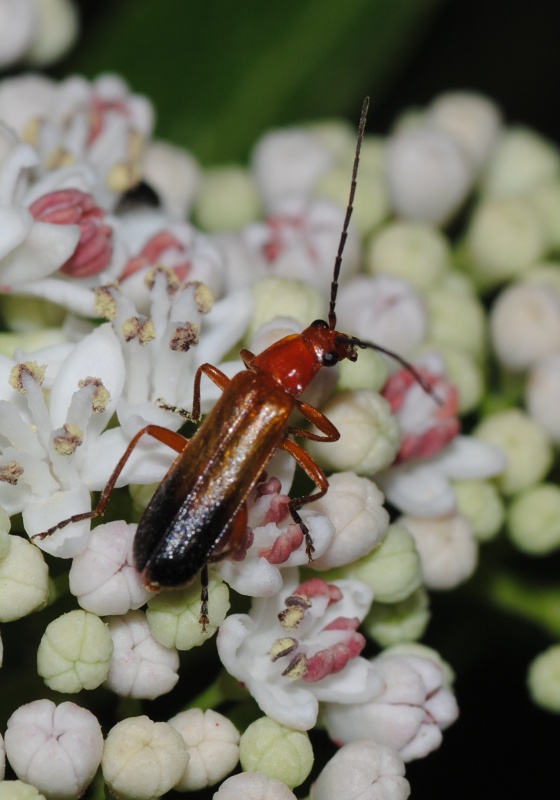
column 160, row 402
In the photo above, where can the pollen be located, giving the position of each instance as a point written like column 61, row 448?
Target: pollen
column 184, row 337
column 291, row 617
column 105, row 303
column 204, row 298
column 282, row 647
column 11, row 473
column 101, row 395
column 297, row 668
column 36, row 371
column 67, row 442
column 140, row 328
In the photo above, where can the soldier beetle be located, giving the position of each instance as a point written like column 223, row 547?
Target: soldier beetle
column 198, row 513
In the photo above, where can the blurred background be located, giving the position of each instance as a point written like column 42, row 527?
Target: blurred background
column 220, row 74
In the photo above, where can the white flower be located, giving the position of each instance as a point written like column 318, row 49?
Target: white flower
column 58, row 29
column 385, row 310
column 312, row 627
column 155, row 240
column 55, row 748
column 103, row 577
column 447, row 548
column 174, row 174
column 432, row 453
column 408, row 715
column 212, row 745
column 48, row 451
column 299, row 240
column 140, row 666
column 364, row 770
column 274, row 542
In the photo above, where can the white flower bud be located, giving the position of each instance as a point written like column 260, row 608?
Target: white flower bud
column 480, row 503
column 227, row 200
column 369, row 434
column 542, row 395
column 253, row 786
column 428, row 174
column 279, row 752
column 463, row 372
column 447, row 548
column 289, row 162
column 18, row 23
column 174, row 615
column 174, row 174
column 543, row 679
column 522, row 160
column 74, row 652
column 365, row 770
column 370, row 371
column 412, row 251
column 525, row 324
column 143, row 759
column 2, row 759
column 504, row 238
column 355, row 507
column 140, row 665
column 57, row 30
column 472, row 119
column 212, row 743
column 24, row 579
column 103, row 577
column 55, row 748
column 527, row 449
column 385, row 310
column 371, row 203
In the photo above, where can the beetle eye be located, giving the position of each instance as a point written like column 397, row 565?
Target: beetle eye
column 330, row 359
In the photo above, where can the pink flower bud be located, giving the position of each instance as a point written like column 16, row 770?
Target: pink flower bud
column 73, row 207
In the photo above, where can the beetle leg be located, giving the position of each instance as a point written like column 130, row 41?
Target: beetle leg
column 203, row 620
column 215, row 375
column 320, row 421
column 170, row 438
column 318, row 477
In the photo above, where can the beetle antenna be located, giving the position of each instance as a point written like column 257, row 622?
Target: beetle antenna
column 402, row 361
column 349, row 209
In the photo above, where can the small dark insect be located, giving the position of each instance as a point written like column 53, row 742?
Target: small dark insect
column 198, row 513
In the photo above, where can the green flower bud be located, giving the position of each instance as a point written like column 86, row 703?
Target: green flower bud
column 274, row 295
column 480, row 502
column 227, row 200
column 463, row 372
column 277, row 751
column 457, row 319
column 141, row 495
column 24, row 579
column 18, row 790
column 526, row 446
column 521, row 160
column 371, row 203
column 369, row 434
column 545, row 199
column 5, row 526
column 543, row 679
column 75, row 652
column 393, row 569
column 545, row 273
column 370, row 371
column 534, row 519
column 413, row 251
column 504, row 238
column 391, row 623
column 174, row 615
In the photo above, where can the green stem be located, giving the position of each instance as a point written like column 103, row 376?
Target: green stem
column 224, row 689
column 533, row 602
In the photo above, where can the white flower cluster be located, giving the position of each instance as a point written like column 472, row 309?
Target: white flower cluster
column 113, row 302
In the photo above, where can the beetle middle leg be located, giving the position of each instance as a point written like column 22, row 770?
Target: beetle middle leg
column 216, row 376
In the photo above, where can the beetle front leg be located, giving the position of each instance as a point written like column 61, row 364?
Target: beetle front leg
column 314, row 471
